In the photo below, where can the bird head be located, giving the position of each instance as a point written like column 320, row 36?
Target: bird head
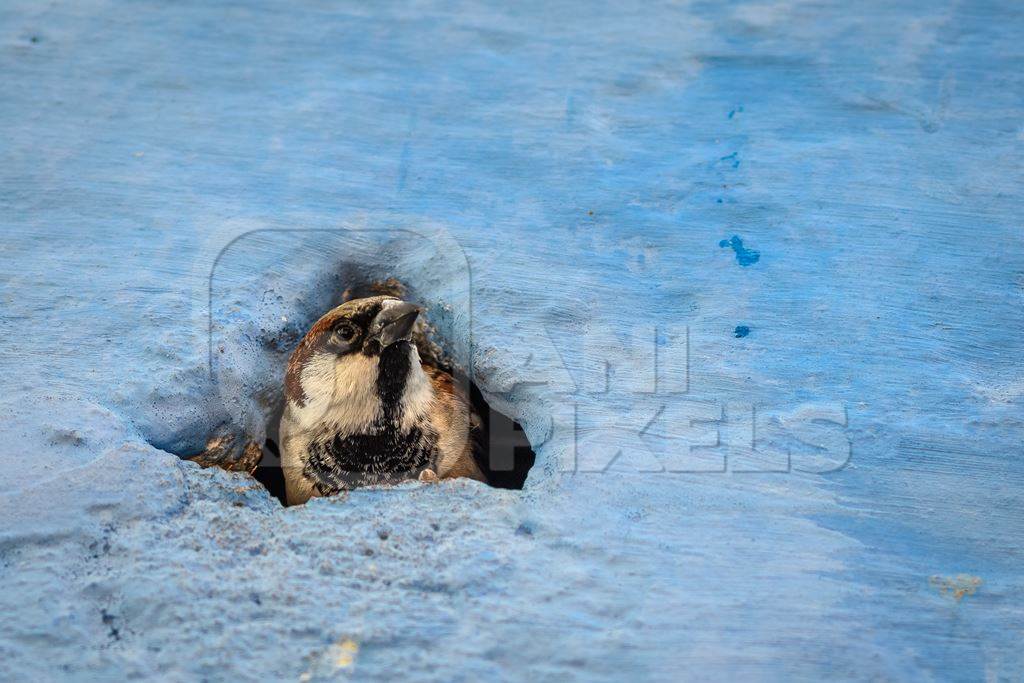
column 353, row 353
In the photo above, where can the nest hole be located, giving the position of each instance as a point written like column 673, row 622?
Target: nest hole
column 502, row 451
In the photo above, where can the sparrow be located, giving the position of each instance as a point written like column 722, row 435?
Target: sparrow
column 363, row 409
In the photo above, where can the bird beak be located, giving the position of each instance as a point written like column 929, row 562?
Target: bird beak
column 394, row 323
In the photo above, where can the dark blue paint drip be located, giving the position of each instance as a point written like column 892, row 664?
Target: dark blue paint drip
column 745, row 257
column 741, row 331
column 733, row 112
column 734, row 158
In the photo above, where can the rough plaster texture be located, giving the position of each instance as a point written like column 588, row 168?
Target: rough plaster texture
column 553, row 181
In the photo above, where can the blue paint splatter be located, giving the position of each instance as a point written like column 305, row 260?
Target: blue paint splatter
column 745, row 257
column 737, row 110
column 741, row 331
column 734, row 158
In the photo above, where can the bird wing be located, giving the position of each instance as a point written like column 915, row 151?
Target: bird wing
column 460, row 429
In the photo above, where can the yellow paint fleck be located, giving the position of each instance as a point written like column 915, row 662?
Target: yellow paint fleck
column 955, row 586
column 344, row 653
column 339, row 656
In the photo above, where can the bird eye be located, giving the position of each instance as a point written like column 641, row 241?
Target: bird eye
column 346, row 331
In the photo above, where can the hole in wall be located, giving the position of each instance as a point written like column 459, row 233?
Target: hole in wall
column 504, row 455
column 265, row 290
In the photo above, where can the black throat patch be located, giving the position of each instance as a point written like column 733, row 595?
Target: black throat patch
column 392, row 376
column 384, row 454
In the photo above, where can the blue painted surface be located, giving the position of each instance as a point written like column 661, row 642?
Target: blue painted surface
column 836, row 496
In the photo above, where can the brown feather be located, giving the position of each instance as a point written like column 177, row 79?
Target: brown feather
column 452, row 416
column 313, row 339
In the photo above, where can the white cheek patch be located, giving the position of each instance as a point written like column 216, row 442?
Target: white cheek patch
column 340, row 392
column 418, row 397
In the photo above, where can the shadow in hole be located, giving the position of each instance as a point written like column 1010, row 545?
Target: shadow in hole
column 269, row 472
column 504, row 453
